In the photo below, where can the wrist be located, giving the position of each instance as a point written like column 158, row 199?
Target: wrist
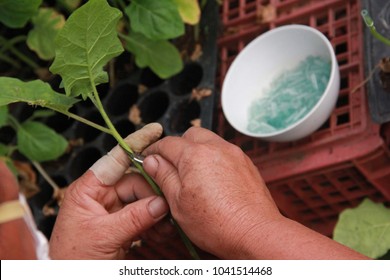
column 256, row 241
column 283, row 238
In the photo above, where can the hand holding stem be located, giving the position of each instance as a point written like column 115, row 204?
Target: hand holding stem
column 96, row 100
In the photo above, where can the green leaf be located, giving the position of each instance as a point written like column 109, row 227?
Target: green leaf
column 47, row 23
column 3, row 115
column 40, row 143
column 365, row 229
column 161, row 56
column 155, row 19
column 189, row 10
column 84, row 46
column 34, row 93
column 16, row 13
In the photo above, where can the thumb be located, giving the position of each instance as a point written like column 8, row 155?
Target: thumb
column 137, row 217
column 164, row 174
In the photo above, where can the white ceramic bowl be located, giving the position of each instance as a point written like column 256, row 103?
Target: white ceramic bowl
column 267, row 56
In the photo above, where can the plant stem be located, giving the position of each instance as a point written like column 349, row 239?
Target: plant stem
column 46, row 176
column 122, row 142
column 24, row 58
column 5, row 45
column 9, row 45
column 128, row 150
column 366, row 79
column 370, row 24
column 9, row 60
column 13, row 122
column 186, row 240
column 108, row 122
column 87, row 122
column 83, row 120
column 17, row 39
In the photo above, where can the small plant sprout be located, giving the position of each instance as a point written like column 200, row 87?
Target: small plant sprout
column 370, row 24
column 384, row 62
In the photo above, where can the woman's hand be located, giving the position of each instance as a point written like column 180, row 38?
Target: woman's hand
column 16, row 240
column 215, row 192
column 219, row 199
column 105, row 210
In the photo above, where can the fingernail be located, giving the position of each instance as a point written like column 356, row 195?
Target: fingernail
column 158, row 207
column 151, row 165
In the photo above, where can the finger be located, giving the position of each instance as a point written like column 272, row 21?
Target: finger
column 142, row 138
column 111, row 167
column 164, row 174
column 9, row 189
column 132, row 187
column 171, row 148
column 201, row 135
column 136, row 218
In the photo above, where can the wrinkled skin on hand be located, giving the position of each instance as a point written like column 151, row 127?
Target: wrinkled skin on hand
column 219, row 199
column 215, row 192
column 105, row 210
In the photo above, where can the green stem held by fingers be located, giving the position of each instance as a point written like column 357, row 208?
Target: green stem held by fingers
column 128, row 150
column 96, row 43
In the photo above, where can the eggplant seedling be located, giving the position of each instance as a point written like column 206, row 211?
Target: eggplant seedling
column 85, row 44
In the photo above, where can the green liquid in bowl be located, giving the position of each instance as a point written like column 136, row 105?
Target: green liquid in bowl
column 290, row 96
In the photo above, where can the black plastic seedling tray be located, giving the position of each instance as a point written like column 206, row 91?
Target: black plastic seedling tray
column 168, row 102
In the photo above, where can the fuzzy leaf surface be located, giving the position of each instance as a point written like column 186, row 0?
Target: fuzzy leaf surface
column 160, row 55
column 16, row 14
column 189, row 10
column 84, row 45
column 155, row 19
column 41, row 38
column 365, row 229
column 39, row 142
column 34, row 93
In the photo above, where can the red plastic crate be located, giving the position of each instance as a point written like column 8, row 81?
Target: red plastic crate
column 314, row 179
column 316, row 198
column 340, row 22
column 348, row 158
